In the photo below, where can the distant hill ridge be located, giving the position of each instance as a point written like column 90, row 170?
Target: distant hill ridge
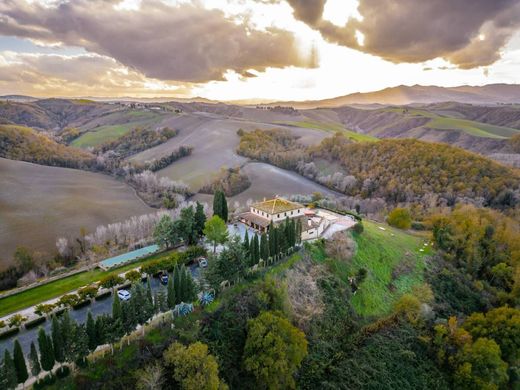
column 402, row 94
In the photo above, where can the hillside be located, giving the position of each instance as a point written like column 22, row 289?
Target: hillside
column 38, row 204
column 407, row 170
column 23, row 143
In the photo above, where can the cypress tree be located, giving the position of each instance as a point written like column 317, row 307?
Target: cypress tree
column 171, row 292
column 162, row 302
column 264, row 247
column 224, row 208
column 67, row 330
column 91, row 332
column 256, row 250
column 298, row 231
column 182, row 285
column 57, row 340
column 79, row 348
column 272, row 241
column 19, row 363
column 246, row 241
column 217, row 203
column 46, row 351
column 116, row 306
column 149, row 294
column 35, row 361
column 9, row 371
column 190, row 288
column 200, row 219
column 177, row 284
column 251, row 252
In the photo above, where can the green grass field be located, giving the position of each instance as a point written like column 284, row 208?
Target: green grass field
column 452, row 121
column 394, row 263
column 102, row 134
column 110, row 132
column 59, row 287
column 473, row 128
column 332, row 128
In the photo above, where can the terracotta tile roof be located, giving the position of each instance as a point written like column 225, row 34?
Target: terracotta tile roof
column 276, row 205
column 264, row 222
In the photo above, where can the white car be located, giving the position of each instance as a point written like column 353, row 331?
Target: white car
column 203, row 263
column 124, row 295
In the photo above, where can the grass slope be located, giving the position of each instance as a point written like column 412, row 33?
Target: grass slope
column 394, row 263
column 59, row 287
column 332, row 128
column 112, row 131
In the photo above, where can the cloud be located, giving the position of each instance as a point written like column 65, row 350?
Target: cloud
column 169, row 42
column 468, row 33
column 78, row 75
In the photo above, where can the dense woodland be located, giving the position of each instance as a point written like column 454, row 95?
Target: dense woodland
column 23, row 143
column 399, row 171
column 229, row 180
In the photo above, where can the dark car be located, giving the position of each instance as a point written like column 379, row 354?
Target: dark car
column 164, row 278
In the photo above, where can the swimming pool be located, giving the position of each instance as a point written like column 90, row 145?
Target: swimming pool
column 129, row 256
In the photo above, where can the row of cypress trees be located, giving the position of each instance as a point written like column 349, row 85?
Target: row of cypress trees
column 277, row 242
column 69, row 341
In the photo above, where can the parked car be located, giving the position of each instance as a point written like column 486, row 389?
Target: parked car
column 203, row 262
column 164, row 278
column 124, row 295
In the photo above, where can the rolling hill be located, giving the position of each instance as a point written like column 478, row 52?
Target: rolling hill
column 403, row 94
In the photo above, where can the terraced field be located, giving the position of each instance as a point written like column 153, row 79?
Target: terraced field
column 40, row 203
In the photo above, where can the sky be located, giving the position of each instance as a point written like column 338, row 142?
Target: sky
column 253, row 49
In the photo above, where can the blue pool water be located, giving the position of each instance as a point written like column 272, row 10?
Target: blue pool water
column 129, row 256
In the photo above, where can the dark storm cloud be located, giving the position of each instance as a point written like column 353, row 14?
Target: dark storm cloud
column 185, row 42
column 419, row 30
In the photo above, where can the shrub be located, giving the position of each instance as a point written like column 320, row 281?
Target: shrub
column 358, row 228
column 400, row 218
column 110, row 281
column 63, row 372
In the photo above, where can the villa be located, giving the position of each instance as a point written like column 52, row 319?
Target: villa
column 315, row 223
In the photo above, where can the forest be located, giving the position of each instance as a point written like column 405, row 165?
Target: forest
column 397, row 170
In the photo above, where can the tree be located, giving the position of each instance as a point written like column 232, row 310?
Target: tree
column 46, row 351
column 91, row 331
column 200, row 219
column 57, row 340
column 230, row 264
column 400, row 218
column 165, row 234
column 9, row 371
column 264, row 247
column 35, row 361
column 23, row 259
column 150, row 378
column 19, row 363
column 215, row 230
column 116, row 306
column 274, row 350
column 246, row 241
column 171, row 293
column 78, row 347
column 255, row 250
column 193, row 367
column 186, row 227
column 481, row 366
column 220, row 207
column 501, row 325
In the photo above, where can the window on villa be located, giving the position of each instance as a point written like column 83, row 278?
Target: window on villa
column 278, row 215
column 292, row 212
column 285, row 215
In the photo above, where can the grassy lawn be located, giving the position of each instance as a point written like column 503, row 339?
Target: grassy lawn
column 394, row 263
column 333, row 128
column 62, row 286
